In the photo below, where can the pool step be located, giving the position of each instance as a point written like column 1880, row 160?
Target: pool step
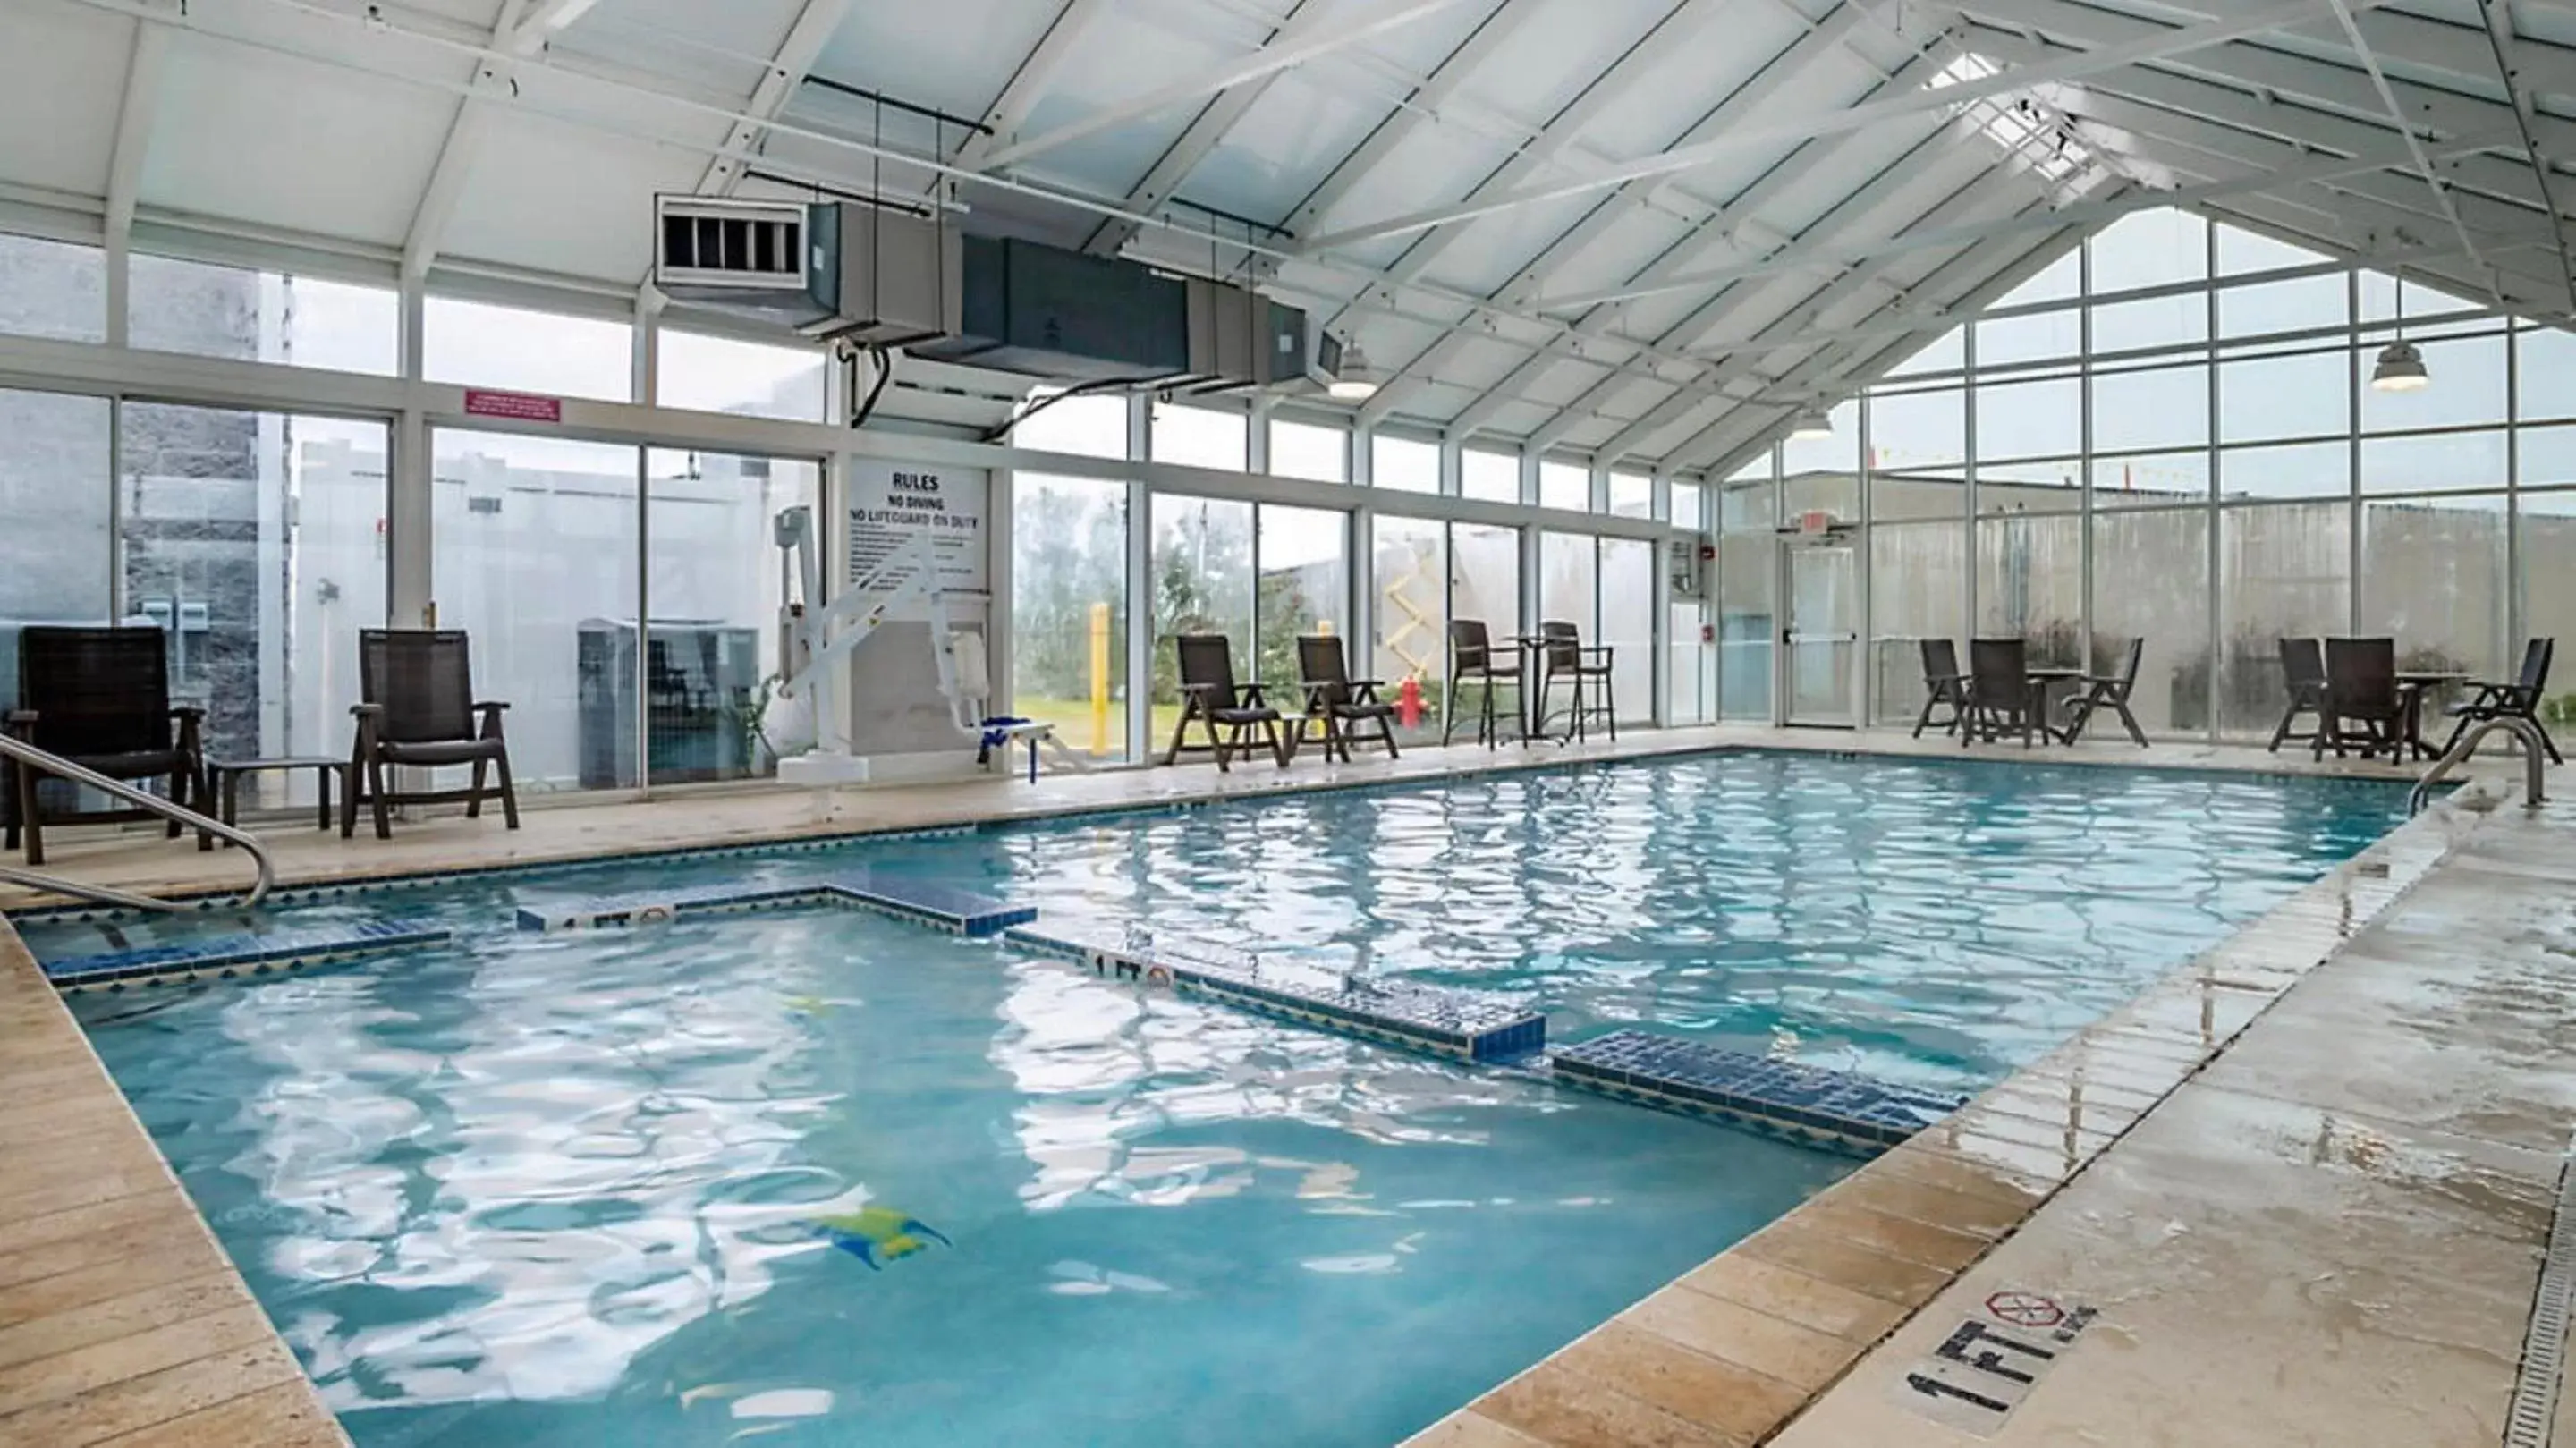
column 231, row 956
column 960, row 912
column 1457, row 1024
column 1808, row 1104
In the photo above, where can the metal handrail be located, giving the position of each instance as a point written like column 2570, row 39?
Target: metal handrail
column 2534, row 747
column 55, row 764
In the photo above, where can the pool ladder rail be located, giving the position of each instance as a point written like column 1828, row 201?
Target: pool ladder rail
column 2535, row 762
column 61, row 768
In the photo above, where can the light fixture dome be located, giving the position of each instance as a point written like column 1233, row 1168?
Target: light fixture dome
column 1355, row 380
column 1815, row 422
column 2400, row 369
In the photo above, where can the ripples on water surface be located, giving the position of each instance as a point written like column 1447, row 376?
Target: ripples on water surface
column 562, row 1190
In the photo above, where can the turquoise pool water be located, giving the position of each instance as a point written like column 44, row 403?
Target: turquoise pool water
column 563, row 1190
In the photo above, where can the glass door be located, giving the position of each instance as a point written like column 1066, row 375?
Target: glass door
column 1821, row 644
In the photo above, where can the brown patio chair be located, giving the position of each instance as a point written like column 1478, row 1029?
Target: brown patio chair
column 2108, row 691
column 1338, row 702
column 2303, row 675
column 2365, row 707
column 1472, row 660
column 2519, row 699
column 420, row 712
column 100, row 697
column 1232, row 713
column 2002, row 697
column 1942, row 684
column 1563, row 655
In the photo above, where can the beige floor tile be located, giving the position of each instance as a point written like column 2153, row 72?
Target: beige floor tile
column 1848, row 1221
column 1818, row 1252
column 1799, row 1356
column 147, row 1348
column 139, row 1215
column 142, row 1402
column 1891, row 1194
column 82, row 1190
column 1793, row 1296
column 1468, row 1429
column 98, row 1322
column 1720, row 1402
column 287, row 1416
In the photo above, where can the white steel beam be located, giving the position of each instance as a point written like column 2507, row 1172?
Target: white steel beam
column 516, row 34
column 1269, row 60
column 1400, row 124
column 788, row 68
column 1205, row 133
column 135, row 118
column 1744, row 205
column 1028, row 84
column 2175, row 41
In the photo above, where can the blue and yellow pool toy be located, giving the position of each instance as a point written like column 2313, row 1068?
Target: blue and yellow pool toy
column 878, row 1235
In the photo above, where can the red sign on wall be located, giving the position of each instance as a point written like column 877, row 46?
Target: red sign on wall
column 518, row 406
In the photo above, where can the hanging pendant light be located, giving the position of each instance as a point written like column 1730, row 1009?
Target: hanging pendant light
column 1813, row 423
column 2400, row 367
column 1355, row 380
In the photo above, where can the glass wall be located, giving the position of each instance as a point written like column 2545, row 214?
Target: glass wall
column 1409, row 594
column 1748, row 582
column 1200, row 437
column 481, row 345
column 1202, row 583
column 2206, row 469
column 1628, row 624
column 715, row 588
column 719, row 374
column 1399, row 464
column 1305, row 589
column 261, row 316
column 534, row 554
column 1303, row 450
column 1069, row 609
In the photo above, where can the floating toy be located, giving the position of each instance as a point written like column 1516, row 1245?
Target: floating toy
column 878, row 1235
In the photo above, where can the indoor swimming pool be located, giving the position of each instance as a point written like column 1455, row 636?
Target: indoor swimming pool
column 825, row 1177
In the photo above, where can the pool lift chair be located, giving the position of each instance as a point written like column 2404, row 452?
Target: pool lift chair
column 815, row 642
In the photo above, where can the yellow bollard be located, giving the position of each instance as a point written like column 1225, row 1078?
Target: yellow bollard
column 1099, row 679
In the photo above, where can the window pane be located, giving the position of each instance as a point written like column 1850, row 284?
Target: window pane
column 2151, row 480
column 1569, row 582
column 1093, row 427
column 2148, row 249
column 1689, row 505
column 2039, row 337
column 534, row 555
column 1403, row 465
column 1317, row 454
column 55, row 467
column 1485, row 577
column 2546, row 372
column 715, row 592
column 2438, row 462
column 2297, row 305
column 1748, row 585
column 1917, row 591
column 2166, row 407
column 2378, row 296
column 719, row 374
column 1632, row 495
column 2042, row 485
column 1838, row 453
column 2030, row 585
column 1917, row 431
column 1564, row 485
column 221, row 311
column 1628, row 626
column 2547, row 539
column 488, row 346
column 2030, row 419
column 2150, row 322
column 54, row 290
column 1690, row 675
column 2467, row 387
column 1748, row 505
column 1200, row 437
column 2059, row 281
column 251, row 539
column 2301, row 470
column 2242, row 251
column 2433, row 578
column 1202, row 584
column 1305, row 587
column 2277, row 397
column 1410, row 573
column 1945, row 353
column 2151, row 582
column 1069, row 609
column 2284, row 571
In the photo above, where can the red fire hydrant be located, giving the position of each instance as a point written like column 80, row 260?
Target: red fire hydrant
column 1408, row 702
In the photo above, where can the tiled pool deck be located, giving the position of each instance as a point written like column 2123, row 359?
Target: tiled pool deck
column 2307, row 1202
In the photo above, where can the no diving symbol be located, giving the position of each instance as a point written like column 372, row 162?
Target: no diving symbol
column 2025, row 1309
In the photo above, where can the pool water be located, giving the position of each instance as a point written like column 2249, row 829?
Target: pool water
column 565, row 1189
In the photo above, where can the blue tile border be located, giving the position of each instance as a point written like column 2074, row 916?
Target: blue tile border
column 1457, row 1024
column 234, row 956
column 942, row 907
column 1807, row 1104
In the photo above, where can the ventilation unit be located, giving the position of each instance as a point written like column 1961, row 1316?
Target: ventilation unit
column 839, row 270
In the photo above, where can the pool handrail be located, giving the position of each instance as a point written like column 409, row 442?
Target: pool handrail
column 2535, row 766
column 56, row 765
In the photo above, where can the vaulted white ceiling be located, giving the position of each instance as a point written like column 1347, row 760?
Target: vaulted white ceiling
column 1642, row 229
